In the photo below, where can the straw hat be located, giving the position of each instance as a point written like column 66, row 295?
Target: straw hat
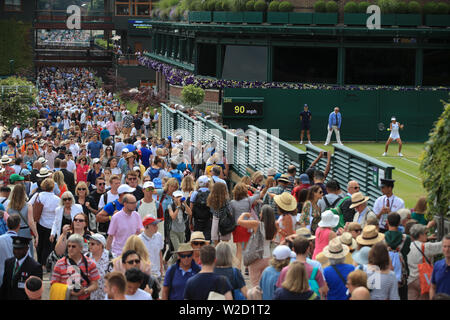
column 184, row 247
column 129, row 155
column 286, row 201
column 335, row 250
column 284, row 178
column 329, row 219
column 305, row 232
column 198, row 236
column 357, row 199
column 44, row 173
column 5, row 160
column 369, row 236
column 347, row 239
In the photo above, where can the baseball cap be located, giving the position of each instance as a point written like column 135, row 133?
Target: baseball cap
column 15, row 177
column 177, row 193
column 125, row 150
column 98, row 237
column 282, row 252
column 150, row 220
column 158, row 183
column 125, row 188
column 304, row 178
column 136, row 168
column 25, row 172
column 203, row 181
column 96, row 160
column 148, row 184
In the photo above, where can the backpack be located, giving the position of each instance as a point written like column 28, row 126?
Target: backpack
column 343, row 209
column 329, row 206
column 399, row 264
column 227, row 223
column 200, row 210
column 153, row 173
column 313, row 282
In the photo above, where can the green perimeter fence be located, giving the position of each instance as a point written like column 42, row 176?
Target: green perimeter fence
column 263, row 150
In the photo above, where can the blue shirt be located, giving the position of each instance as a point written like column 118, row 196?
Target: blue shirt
column 182, row 167
column 334, row 119
column 268, row 282
column 130, row 147
column 109, row 208
column 145, row 157
column 176, row 279
column 337, row 288
column 94, row 148
column 441, row 277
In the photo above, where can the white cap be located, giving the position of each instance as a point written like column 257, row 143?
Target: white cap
column 125, row 150
column 95, row 160
column 148, row 184
column 282, row 252
column 393, row 118
column 203, row 181
column 125, row 188
column 177, row 193
column 136, row 168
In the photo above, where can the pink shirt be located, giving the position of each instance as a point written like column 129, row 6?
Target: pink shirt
column 322, row 240
column 111, row 126
column 309, row 269
column 123, row 226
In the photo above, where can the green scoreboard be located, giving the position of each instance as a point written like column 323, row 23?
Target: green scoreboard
column 243, row 107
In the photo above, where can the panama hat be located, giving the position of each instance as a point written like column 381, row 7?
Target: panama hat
column 329, row 219
column 284, row 178
column 286, row 201
column 184, row 247
column 335, row 250
column 347, row 239
column 5, row 160
column 357, row 199
column 305, row 232
column 43, row 173
column 130, row 155
column 42, row 160
column 369, row 236
column 198, row 236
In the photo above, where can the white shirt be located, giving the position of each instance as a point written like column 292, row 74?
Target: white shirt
column 139, row 295
column 51, row 202
column 59, row 211
column 110, row 198
column 154, row 246
column 16, row 133
column 75, row 149
column 395, row 203
column 71, row 166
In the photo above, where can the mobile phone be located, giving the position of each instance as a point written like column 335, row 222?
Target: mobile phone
column 325, row 154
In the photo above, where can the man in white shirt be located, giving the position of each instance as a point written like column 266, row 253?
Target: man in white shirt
column 17, row 134
column 154, row 242
column 387, row 203
column 112, row 194
column 135, row 277
column 74, row 148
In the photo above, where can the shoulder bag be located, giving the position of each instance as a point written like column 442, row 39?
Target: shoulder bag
column 38, row 206
column 425, row 271
column 255, row 247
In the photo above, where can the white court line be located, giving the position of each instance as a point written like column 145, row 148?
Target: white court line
column 412, row 161
column 408, row 174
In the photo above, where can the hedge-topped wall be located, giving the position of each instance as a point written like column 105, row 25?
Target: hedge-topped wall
column 15, row 44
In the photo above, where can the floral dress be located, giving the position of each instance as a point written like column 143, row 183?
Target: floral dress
column 307, row 214
column 104, row 266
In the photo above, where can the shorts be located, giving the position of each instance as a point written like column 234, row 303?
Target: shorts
column 241, row 234
column 305, row 126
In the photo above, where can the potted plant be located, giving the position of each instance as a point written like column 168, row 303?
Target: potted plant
column 254, row 11
column 403, row 15
column 326, row 13
column 199, row 13
column 274, row 15
column 220, row 14
column 437, row 14
column 236, row 15
column 387, row 12
column 300, row 17
column 353, row 16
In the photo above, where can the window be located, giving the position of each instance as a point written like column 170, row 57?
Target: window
column 244, row 63
column 207, row 59
column 133, row 8
column 378, row 66
column 436, row 66
column 122, row 9
column 143, row 9
column 306, row 65
column 13, row 5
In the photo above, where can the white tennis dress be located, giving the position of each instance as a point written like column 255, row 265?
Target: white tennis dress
column 394, row 131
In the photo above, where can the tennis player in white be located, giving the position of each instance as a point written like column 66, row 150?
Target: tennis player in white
column 394, row 136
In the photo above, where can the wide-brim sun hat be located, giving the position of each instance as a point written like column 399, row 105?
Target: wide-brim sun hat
column 361, row 256
column 184, row 247
column 347, row 239
column 335, row 249
column 306, row 233
column 44, row 173
column 357, row 199
column 328, row 219
column 286, row 201
column 369, row 236
column 5, row 160
column 198, row 236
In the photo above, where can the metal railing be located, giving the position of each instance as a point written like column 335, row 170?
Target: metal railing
column 16, row 89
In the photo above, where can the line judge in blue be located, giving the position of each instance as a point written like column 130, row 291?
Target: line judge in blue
column 334, row 124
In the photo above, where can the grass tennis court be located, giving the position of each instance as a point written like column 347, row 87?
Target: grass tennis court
column 408, row 183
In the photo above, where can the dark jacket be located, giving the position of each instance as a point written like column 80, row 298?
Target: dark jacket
column 13, row 288
column 69, row 179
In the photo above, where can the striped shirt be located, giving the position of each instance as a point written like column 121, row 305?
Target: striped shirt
column 63, row 272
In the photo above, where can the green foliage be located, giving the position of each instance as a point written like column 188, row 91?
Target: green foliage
column 362, row 6
column 102, row 43
column 331, row 6
column 414, row 7
column 260, row 5
column 400, row 7
column 320, row 6
column 430, row 8
column 16, row 105
column 386, row 6
column 285, row 6
column 274, row 6
column 210, row 5
column 250, row 5
column 442, row 8
column 434, row 165
column 192, row 95
column 351, row 7
column 238, row 5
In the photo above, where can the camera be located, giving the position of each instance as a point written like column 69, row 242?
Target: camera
column 183, row 199
column 76, row 286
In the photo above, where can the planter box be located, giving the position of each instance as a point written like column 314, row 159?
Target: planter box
column 388, row 19
column 278, row 17
column 437, row 20
column 220, row 16
column 200, row 16
column 325, row 18
column 300, row 17
column 253, row 16
column 235, row 17
column 355, row 19
column 408, row 19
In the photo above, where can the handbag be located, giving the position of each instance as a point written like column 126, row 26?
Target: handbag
column 255, row 247
column 425, row 271
column 38, row 206
column 226, row 222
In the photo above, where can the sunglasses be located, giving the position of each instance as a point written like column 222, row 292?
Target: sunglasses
column 137, row 261
column 102, row 184
column 78, row 220
column 69, row 246
column 182, row 256
column 67, row 199
column 199, row 243
column 355, row 187
column 132, row 179
column 358, row 230
column 149, row 189
column 82, row 189
column 131, row 202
